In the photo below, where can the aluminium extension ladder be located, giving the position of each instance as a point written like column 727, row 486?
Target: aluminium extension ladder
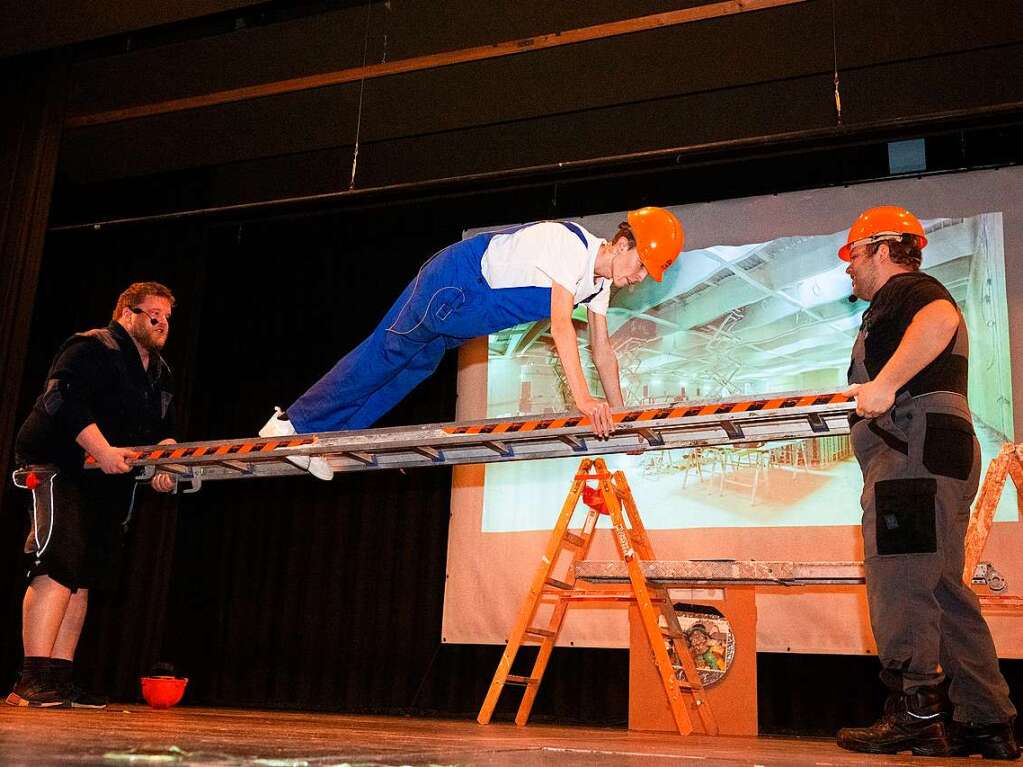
column 684, row 424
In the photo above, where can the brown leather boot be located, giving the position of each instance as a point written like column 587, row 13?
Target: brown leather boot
column 992, row 741
column 911, row 722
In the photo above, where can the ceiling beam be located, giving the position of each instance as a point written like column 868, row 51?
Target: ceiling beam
column 431, row 61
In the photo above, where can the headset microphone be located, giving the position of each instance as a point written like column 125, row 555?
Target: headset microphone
column 152, row 321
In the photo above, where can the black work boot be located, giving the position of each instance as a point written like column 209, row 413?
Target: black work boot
column 63, row 678
column 36, row 686
column 911, row 722
column 992, row 741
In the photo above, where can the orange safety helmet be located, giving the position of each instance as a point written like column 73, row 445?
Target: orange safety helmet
column 883, row 223
column 659, row 238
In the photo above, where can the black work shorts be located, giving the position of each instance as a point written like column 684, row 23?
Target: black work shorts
column 76, row 527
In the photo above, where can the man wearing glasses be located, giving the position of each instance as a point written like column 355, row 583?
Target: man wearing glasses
column 106, row 387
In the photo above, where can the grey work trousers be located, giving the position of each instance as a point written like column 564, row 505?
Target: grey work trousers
column 921, row 469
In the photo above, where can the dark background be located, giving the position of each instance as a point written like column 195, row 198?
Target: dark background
column 298, row 594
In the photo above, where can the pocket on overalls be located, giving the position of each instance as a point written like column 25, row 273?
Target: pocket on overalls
column 948, row 446
column 885, row 429
column 905, row 516
column 423, row 316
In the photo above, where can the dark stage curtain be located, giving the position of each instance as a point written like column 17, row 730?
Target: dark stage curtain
column 32, row 91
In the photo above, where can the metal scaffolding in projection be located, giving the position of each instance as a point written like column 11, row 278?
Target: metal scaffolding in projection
column 687, row 424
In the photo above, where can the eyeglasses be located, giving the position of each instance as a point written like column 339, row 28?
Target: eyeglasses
column 866, row 242
column 154, row 315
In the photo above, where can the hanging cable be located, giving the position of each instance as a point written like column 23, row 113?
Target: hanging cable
column 362, row 90
column 834, row 48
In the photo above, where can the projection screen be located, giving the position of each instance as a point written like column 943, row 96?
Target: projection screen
column 758, row 303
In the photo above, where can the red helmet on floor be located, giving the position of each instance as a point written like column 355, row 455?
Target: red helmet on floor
column 883, row 223
column 659, row 238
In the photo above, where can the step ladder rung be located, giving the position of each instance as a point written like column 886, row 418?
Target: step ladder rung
column 521, row 681
column 541, row 633
column 574, row 540
column 681, row 681
column 560, row 585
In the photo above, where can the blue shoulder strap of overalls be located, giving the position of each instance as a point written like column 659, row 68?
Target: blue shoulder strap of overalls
column 577, row 230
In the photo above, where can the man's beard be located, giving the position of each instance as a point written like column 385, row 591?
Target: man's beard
column 147, row 340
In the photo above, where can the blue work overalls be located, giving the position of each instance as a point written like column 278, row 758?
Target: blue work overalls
column 448, row 303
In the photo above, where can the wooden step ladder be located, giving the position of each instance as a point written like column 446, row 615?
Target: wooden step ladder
column 1008, row 464
column 672, row 657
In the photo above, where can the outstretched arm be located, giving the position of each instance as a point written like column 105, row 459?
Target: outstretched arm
column 598, row 411
column 605, row 359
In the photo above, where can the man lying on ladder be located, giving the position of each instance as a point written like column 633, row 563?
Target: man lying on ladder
column 482, row 285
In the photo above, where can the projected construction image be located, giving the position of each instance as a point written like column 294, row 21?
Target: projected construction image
column 738, row 320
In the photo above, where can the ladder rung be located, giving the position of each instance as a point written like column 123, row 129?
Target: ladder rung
column 652, row 436
column 175, row 468
column 522, row 681
column 576, row 443
column 542, row 633
column 684, row 684
column 559, row 584
column 244, row 468
column 366, row 459
column 573, row 539
column 733, row 430
column 500, row 448
column 432, row 453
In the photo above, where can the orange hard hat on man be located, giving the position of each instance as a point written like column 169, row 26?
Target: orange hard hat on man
column 886, row 222
column 659, row 238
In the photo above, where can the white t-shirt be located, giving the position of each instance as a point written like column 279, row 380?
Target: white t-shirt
column 542, row 254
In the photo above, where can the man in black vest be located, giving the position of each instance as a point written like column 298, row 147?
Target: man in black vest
column 106, row 387
column 913, row 437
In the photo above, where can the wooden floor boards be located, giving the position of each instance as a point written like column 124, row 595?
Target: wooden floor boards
column 130, row 736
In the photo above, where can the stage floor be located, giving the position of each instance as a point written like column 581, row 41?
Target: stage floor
column 137, row 735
